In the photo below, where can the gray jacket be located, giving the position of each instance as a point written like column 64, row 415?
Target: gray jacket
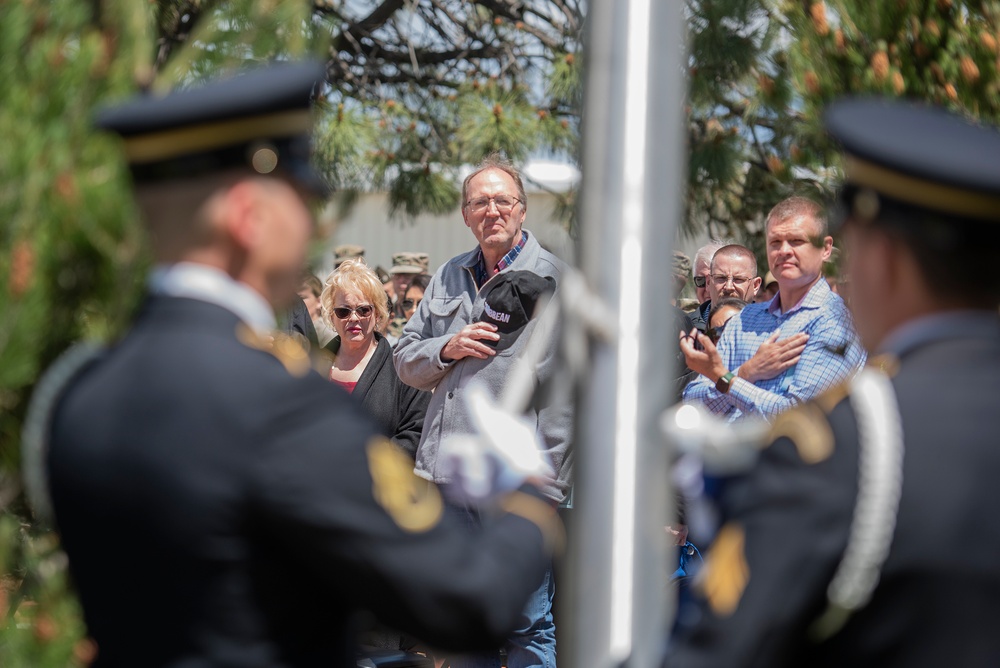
column 450, row 303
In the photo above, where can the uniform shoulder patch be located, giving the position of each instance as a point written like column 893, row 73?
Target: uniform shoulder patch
column 726, row 571
column 290, row 352
column 807, row 427
column 414, row 504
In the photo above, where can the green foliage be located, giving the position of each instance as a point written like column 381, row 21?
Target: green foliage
column 740, row 117
column 942, row 51
column 71, row 252
column 422, row 190
column 40, row 622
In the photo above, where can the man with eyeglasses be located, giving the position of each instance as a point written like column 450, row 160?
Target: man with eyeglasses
column 702, row 270
column 775, row 355
column 445, row 346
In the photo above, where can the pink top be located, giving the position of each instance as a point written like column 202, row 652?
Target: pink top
column 347, row 385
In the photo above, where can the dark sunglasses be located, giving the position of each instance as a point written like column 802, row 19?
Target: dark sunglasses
column 363, row 311
column 410, row 303
column 699, row 281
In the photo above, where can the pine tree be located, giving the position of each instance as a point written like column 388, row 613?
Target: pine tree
column 939, row 51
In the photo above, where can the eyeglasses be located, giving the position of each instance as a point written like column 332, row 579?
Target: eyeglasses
column 699, row 281
column 410, row 304
column 503, row 203
column 738, row 281
column 363, row 311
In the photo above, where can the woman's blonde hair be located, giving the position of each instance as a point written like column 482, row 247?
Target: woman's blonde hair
column 355, row 276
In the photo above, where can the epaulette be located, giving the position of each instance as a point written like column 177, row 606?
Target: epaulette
column 887, row 363
column 287, row 349
column 38, row 421
column 807, row 427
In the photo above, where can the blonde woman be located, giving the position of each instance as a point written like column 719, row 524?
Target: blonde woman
column 361, row 359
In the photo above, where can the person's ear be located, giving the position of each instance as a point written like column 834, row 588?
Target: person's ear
column 756, row 286
column 827, row 248
column 241, row 215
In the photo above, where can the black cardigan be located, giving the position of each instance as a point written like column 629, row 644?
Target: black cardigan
column 398, row 408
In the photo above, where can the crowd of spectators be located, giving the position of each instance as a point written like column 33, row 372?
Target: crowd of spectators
column 409, row 342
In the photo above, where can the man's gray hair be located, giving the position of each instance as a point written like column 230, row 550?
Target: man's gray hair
column 496, row 161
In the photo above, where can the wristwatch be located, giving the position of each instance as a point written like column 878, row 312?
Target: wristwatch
column 725, row 382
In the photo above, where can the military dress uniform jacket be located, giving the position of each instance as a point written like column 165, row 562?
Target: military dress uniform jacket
column 937, row 602
column 220, row 510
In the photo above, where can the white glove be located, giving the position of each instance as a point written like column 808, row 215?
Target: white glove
column 499, row 459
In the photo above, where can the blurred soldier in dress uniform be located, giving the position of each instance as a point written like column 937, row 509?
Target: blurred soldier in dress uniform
column 867, row 533
column 219, row 502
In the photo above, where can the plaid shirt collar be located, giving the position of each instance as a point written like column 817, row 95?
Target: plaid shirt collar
column 814, row 298
column 480, row 268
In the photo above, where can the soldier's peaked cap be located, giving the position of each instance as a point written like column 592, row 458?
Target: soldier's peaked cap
column 917, row 155
column 258, row 119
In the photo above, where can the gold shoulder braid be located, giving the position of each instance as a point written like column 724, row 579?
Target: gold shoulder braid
column 726, row 571
column 413, row 503
column 289, row 351
column 807, row 427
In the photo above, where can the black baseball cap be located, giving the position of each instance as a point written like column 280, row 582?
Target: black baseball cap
column 510, row 303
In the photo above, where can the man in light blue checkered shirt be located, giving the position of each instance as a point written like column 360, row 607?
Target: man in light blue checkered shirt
column 777, row 354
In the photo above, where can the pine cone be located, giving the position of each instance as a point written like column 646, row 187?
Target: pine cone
column 988, row 41
column 898, row 84
column 812, row 83
column 85, row 651
column 570, row 58
column 45, row 629
column 497, row 110
column 838, row 40
column 970, row 71
column 880, row 66
column 774, row 164
column 944, row 6
column 951, row 92
column 766, row 84
column 818, row 12
column 933, row 29
column 66, row 187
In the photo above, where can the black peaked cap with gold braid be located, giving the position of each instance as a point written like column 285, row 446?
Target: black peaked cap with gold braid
column 917, row 155
column 259, row 119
